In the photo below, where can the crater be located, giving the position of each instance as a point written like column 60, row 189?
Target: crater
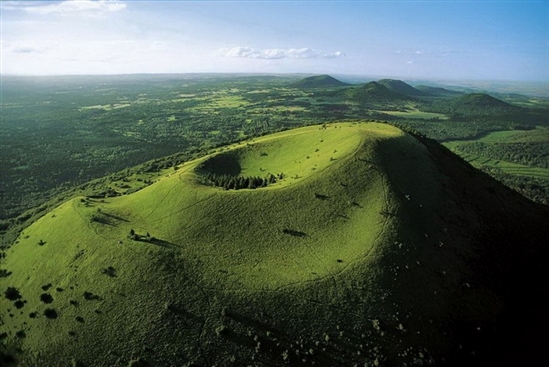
column 221, row 164
column 227, row 170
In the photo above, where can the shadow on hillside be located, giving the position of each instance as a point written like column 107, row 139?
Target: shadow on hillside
column 107, row 219
column 294, row 233
column 162, row 243
column 112, row 216
column 321, row 196
column 102, row 220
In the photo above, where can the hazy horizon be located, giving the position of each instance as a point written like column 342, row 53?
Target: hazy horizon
column 443, row 40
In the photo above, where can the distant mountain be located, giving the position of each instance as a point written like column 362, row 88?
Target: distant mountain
column 373, row 92
column 400, row 87
column 437, row 91
column 476, row 104
column 318, row 81
column 480, row 100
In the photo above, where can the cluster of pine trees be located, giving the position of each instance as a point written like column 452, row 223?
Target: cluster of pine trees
column 229, row 182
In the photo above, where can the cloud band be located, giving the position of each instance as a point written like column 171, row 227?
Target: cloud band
column 277, row 53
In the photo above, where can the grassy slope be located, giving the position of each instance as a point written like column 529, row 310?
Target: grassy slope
column 375, row 277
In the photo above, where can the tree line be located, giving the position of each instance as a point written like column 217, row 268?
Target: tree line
column 229, row 182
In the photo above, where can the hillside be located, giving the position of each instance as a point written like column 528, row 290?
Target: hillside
column 400, row 87
column 437, row 91
column 318, row 81
column 348, row 257
column 478, row 104
column 477, row 100
column 375, row 95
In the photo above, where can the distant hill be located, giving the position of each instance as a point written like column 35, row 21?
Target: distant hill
column 374, row 95
column 318, row 81
column 476, row 104
column 476, row 100
column 401, row 87
column 437, row 91
column 366, row 244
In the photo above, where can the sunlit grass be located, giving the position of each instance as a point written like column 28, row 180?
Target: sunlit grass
column 416, row 114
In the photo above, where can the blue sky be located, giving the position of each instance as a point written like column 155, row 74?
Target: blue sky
column 485, row 40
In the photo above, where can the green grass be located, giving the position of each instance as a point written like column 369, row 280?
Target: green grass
column 107, row 107
column 341, row 256
column 158, row 210
column 499, row 136
column 508, row 167
column 540, row 134
column 216, row 101
column 280, row 109
column 416, row 114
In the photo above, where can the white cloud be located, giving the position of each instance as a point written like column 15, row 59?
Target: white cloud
column 25, row 47
column 27, row 50
column 76, row 6
column 277, row 53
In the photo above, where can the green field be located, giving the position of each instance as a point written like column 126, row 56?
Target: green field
column 416, row 114
column 507, row 167
column 540, row 135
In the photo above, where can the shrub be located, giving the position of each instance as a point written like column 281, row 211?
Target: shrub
column 91, row 297
column 12, row 294
column 110, row 271
column 46, row 298
column 50, row 313
column 19, row 304
column 21, row 334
